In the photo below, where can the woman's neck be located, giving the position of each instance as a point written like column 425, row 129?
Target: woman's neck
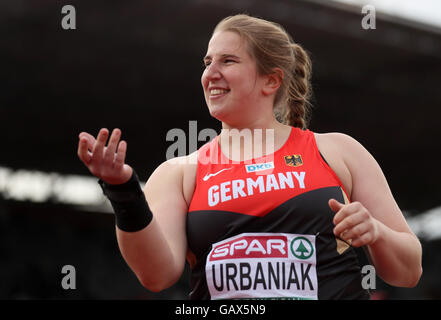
column 253, row 140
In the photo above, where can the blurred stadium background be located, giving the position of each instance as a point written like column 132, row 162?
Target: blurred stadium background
column 137, row 64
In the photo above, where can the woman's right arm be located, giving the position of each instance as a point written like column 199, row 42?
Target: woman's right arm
column 156, row 253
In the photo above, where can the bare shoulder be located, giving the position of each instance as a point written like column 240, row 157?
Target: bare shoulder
column 174, row 177
column 334, row 148
column 352, row 152
column 369, row 184
column 343, row 146
column 337, row 139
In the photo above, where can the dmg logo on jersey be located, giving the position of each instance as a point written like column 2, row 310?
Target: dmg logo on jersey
column 259, row 166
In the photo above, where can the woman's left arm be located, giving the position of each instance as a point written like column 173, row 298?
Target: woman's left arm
column 373, row 218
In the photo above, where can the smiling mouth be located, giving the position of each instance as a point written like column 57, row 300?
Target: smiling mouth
column 214, row 93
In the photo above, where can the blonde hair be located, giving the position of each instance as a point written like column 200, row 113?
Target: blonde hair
column 272, row 47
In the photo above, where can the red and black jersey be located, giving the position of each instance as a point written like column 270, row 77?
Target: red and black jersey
column 263, row 228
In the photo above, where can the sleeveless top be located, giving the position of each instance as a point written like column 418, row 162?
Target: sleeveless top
column 263, row 228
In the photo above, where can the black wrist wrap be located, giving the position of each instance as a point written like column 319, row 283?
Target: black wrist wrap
column 132, row 212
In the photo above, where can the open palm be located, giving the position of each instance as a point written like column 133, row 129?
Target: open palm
column 105, row 162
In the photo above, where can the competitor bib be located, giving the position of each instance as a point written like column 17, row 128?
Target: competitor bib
column 263, row 265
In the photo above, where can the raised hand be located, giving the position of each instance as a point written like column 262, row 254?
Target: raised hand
column 105, row 162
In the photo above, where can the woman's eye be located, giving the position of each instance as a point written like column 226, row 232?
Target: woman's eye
column 207, row 63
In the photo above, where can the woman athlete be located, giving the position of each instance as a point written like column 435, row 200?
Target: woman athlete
column 282, row 224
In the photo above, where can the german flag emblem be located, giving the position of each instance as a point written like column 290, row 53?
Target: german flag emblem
column 294, row 160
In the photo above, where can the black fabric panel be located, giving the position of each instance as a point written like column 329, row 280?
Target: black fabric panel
column 307, row 213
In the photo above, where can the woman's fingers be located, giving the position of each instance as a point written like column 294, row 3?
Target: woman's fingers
column 89, row 138
column 105, row 162
column 363, row 240
column 98, row 148
column 347, row 223
column 345, row 211
column 335, row 205
column 356, row 231
column 109, row 154
column 120, row 155
column 354, row 223
column 83, row 151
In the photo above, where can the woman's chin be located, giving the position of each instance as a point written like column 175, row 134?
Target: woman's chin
column 218, row 113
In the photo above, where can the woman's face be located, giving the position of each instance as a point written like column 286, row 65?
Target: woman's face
column 230, row 81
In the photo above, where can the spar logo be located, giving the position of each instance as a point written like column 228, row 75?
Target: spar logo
column 251, row 246
column 264, row 246
column 302, row 248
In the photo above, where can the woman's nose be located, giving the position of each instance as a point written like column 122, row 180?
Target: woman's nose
column 212, row 72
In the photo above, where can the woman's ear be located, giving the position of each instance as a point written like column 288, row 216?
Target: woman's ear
column 273, row 82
